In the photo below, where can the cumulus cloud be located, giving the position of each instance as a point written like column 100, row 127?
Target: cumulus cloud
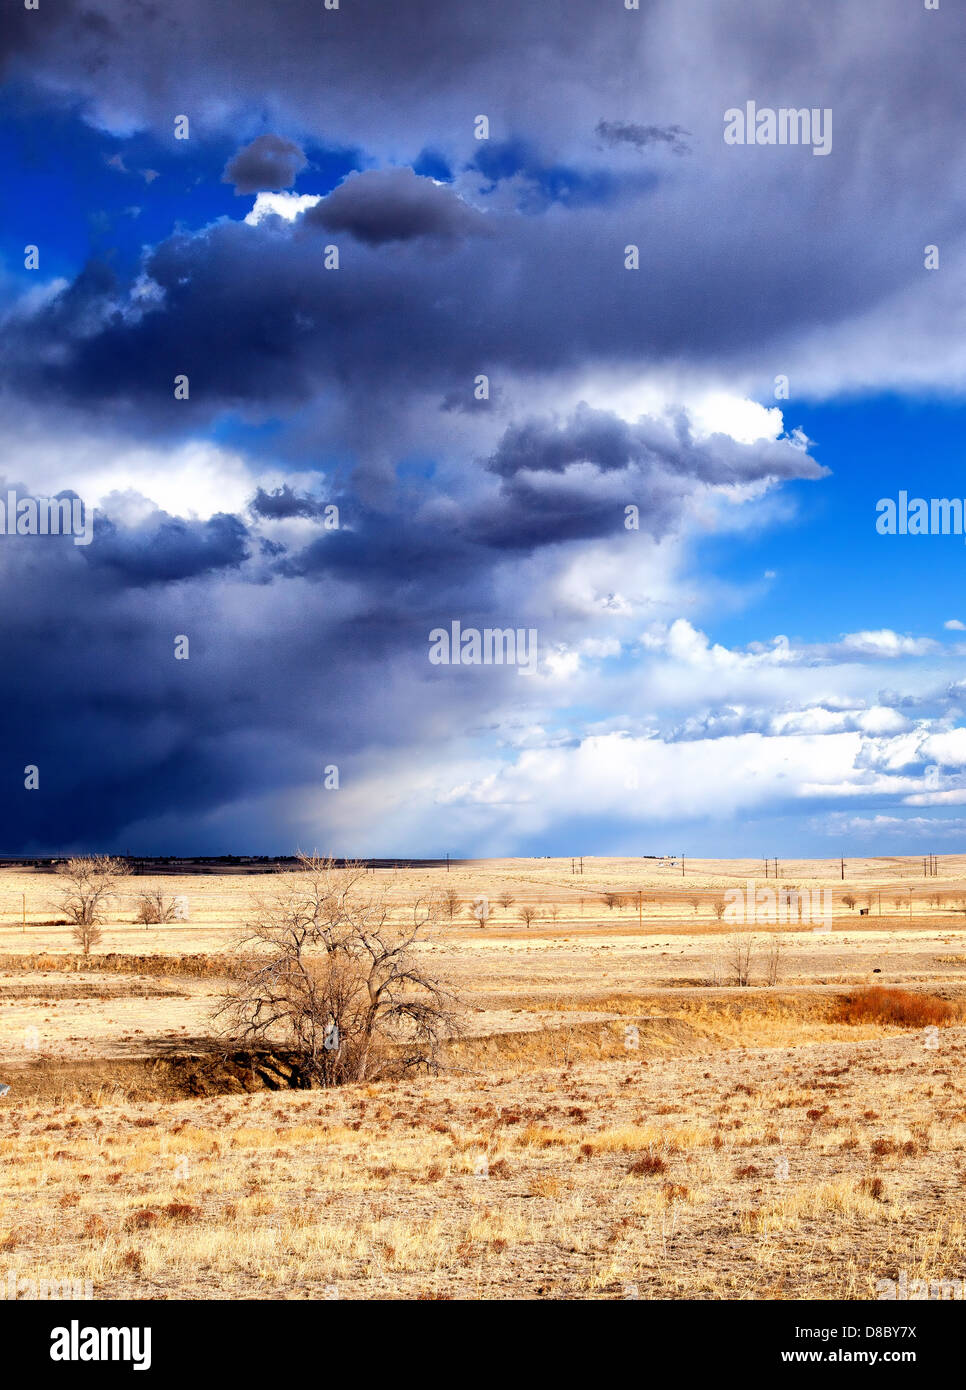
column 607, row 388
column 268, row 163
column 382, row 205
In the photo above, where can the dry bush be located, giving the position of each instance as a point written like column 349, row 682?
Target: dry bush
column 879, row 1004
column 528, row 914
column 323, row 972
column 741, row 952
column 154, row 907
column 773, row 958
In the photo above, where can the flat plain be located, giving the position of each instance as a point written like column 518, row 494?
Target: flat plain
column 620, row 1118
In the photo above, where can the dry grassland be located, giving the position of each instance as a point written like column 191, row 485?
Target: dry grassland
column 620, row 1120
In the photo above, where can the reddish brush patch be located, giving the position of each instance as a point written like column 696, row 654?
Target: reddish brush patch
column 901, row 1007
column 139, row 1220
column 181, row 1211
column 95, row 1226
column 647, row 1165
column 874, row 1188
column 675, row 1192
column 748, row 1171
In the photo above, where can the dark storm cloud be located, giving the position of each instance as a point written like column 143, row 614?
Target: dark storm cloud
column 285, row 502
column 269, row 162
column 640, row 136
column 298, row 659
column 383, row 205
column 165, row 548
column 251, row 315
column 742, row 250
column 610, row 443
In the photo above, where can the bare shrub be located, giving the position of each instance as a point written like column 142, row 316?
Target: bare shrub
column 773, row 958
column 718, row 907
column 527, row 914
column 479, row 910
column 451, row 901
column 506, row 899
column 154, row 907
column 695, row 902
column 849, row 900
column 741, row 954
column 323, row 972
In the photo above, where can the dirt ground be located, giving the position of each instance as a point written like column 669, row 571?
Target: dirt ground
column 620, row 1120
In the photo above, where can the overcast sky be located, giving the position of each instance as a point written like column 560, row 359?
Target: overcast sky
column 753, row 669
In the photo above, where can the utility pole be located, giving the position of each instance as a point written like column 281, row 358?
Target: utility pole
column 682, row 865
column 843, row 869
column 24, row 928
column 639, row 910
column 447, row 863
column 581, row 863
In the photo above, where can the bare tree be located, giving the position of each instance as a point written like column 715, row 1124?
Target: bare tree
column 89, row 883
column 848, row 899
column 87, row 935
column 506, row 899
column 773, row 958
column 718, row 907
column 695, row 902
column 451, row 901
column 553, row 911
column 741, row 950
column 322, row 972
column 155, row 907
column 612, row 900
column 479, row 910
column 527, row 914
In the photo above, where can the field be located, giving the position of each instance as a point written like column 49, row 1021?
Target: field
column 620, row 1118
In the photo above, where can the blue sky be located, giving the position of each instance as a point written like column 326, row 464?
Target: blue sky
column 753, row 669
